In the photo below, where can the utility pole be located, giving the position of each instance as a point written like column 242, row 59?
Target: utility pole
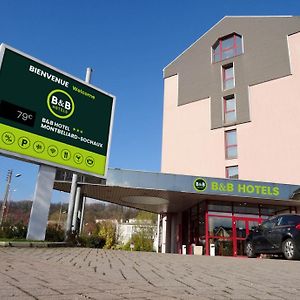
column 5, row 200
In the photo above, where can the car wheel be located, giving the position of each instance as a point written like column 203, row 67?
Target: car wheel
column 289, row 249
column 250, row 250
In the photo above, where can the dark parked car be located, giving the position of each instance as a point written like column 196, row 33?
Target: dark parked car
column 278, row 235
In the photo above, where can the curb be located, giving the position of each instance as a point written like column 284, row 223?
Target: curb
column 34, row 244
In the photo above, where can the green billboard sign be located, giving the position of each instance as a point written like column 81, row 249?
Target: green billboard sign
column 50, row 117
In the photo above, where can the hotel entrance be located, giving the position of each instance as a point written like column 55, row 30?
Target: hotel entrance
column 228, row 234
column 224, row 226
column 241, row 228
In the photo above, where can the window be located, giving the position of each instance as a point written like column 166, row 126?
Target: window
column 232, row 172
column 229, row 109
column 290, row 220
column 228, row 77
column 243, row 208
column 269, row 224
column 220, row 226
column 230, row 144
column 216, row 206
column 227, row 47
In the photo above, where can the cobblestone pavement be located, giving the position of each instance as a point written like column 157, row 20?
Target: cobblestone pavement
column 81, row 273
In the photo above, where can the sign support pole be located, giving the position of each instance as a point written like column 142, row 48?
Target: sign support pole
column 82, row 214
column 76, row 207
column 41, row 203
column 73, row 212
column 71, row 205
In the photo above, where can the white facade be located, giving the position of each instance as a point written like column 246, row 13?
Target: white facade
column 125, row 230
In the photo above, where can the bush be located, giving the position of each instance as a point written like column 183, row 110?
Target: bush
column 141, row 240
column 10, row 231
column 55, row 234
column 92, row 241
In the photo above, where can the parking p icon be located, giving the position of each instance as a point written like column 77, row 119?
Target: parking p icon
column 23, row 142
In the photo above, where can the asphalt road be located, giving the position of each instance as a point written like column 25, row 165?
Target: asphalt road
column 81, row 273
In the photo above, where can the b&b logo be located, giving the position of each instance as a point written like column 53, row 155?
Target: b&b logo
column 200, row 185
column 60, row 104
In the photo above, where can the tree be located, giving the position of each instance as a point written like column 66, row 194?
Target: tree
column 143, row 239
column 146, row 217
column 107, row 231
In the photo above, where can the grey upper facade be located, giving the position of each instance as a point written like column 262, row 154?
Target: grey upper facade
column 265, row 57
column 172, row 193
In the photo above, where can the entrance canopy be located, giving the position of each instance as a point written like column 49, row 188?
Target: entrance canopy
column 170, row 193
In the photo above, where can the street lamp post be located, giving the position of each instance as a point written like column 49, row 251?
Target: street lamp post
column 9, row 199
column 7, row 190
column 4, row 204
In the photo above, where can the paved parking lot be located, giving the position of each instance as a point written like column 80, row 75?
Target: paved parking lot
column 80, row 273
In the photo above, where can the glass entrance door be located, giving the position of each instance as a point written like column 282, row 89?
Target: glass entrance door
column 241, row 228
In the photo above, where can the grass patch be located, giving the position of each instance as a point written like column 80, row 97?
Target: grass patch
column 20, row 240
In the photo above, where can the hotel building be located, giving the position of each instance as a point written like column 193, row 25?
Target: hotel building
column 231, row 110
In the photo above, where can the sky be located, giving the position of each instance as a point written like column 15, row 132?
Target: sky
column 127, row 43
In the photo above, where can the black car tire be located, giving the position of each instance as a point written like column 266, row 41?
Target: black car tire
column 250, row 250
column 289, row 249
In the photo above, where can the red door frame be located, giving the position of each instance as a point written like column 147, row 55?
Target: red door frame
column 207, row 236
column 234, row 236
